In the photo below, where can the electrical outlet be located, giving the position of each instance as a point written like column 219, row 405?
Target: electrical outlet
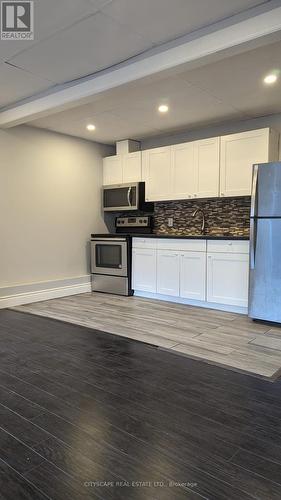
column 170, row 221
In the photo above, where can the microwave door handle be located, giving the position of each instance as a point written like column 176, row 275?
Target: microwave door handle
column 129, row 196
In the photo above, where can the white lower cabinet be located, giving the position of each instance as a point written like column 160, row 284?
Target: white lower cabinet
column 227, row 278
column 144, row 269
column 189, row 269
column 193, row 275
column 168, row 273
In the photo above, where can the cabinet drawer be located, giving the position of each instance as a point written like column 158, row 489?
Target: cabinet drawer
column 144, row 243
column 181, row 245
column 228, row 246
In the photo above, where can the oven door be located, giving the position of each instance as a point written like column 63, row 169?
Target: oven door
column 109, row 256
column 120, row 197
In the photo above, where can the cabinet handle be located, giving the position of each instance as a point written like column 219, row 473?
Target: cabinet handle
column 195, row 195
column 222, row 194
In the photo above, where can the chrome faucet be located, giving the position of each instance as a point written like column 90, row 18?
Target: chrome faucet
column 203, row 218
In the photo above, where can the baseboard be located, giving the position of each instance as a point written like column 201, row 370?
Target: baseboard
column 45, row 293
column 190, row 302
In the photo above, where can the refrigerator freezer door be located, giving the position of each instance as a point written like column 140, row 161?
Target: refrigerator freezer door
column 268, row 190
column 265, row 271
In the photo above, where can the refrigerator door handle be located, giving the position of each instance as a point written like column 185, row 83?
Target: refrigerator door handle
column 253, row 241
column 254, row 191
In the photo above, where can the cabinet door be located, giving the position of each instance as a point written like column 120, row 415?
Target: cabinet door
column 193, row 275
column 227, row 278
column 144, row 270
column 112, row 170
column 207, row 166
column 168, row 269
column 183, row 173
column 131, row 163
column 157, row 173
column 238, row 154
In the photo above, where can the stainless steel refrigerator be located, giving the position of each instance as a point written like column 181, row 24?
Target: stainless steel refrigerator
column 265, row 243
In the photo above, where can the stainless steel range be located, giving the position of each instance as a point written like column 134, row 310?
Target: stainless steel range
column 111, row 255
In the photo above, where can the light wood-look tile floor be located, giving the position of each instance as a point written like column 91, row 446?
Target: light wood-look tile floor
column 230, row 340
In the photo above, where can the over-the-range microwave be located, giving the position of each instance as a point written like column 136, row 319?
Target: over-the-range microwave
column 125, row 197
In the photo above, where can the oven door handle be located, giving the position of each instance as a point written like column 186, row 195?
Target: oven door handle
column 129, row 196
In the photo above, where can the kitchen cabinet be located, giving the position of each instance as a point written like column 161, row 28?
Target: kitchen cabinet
column 183, row 173
column 131, row 166
column 207, row 167
column 193, row 275
column 112, row 170
column 144, row 269
column 228, row 273
column 213, row 271
column 123, row 168
column 156, row 165
column 168, row 272
column 238, row 154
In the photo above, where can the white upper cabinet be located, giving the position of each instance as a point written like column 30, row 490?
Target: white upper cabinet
column 131, row 163
column 207, row 167
column 219, row 166
column 184, row 171
column 112, row 170
column 157, row 173
column 122, row 168
column 238, row 154
column 183, row 174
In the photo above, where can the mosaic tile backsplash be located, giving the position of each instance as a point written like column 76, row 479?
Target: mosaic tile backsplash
column 224, row 217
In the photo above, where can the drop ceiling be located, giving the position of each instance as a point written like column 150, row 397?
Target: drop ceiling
column 231, row 88
column 75, row 38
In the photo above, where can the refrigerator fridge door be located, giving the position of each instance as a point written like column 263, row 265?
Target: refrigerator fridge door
column 266, row 192
column 265, row 270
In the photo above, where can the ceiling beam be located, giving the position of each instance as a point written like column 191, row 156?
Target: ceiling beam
column 237, row 36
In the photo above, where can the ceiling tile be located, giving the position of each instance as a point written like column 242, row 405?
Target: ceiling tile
column 109, row 127
column 228, row 89
column 89, row 46
column 238, row 80
column 16, row 84
column 51, row 16
column 163, row 20
column 132, row 111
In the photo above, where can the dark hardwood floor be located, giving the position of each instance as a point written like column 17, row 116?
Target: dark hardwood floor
column 85, row 414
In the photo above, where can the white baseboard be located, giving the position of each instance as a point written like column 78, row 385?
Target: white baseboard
column 190, row 302
column 41, row 294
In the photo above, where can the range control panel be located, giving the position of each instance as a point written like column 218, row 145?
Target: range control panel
column 133, row 221
column 134, row 224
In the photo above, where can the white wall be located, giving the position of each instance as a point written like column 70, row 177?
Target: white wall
column 221, row 128
column 49, row 205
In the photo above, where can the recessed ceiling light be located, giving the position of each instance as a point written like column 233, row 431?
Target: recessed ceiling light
column 91, row 127
column 163, row 108
column 269, row 79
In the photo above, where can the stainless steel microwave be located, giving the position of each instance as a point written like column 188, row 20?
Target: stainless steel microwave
column 125, row 197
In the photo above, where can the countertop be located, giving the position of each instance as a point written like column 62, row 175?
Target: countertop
column 172, row 236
